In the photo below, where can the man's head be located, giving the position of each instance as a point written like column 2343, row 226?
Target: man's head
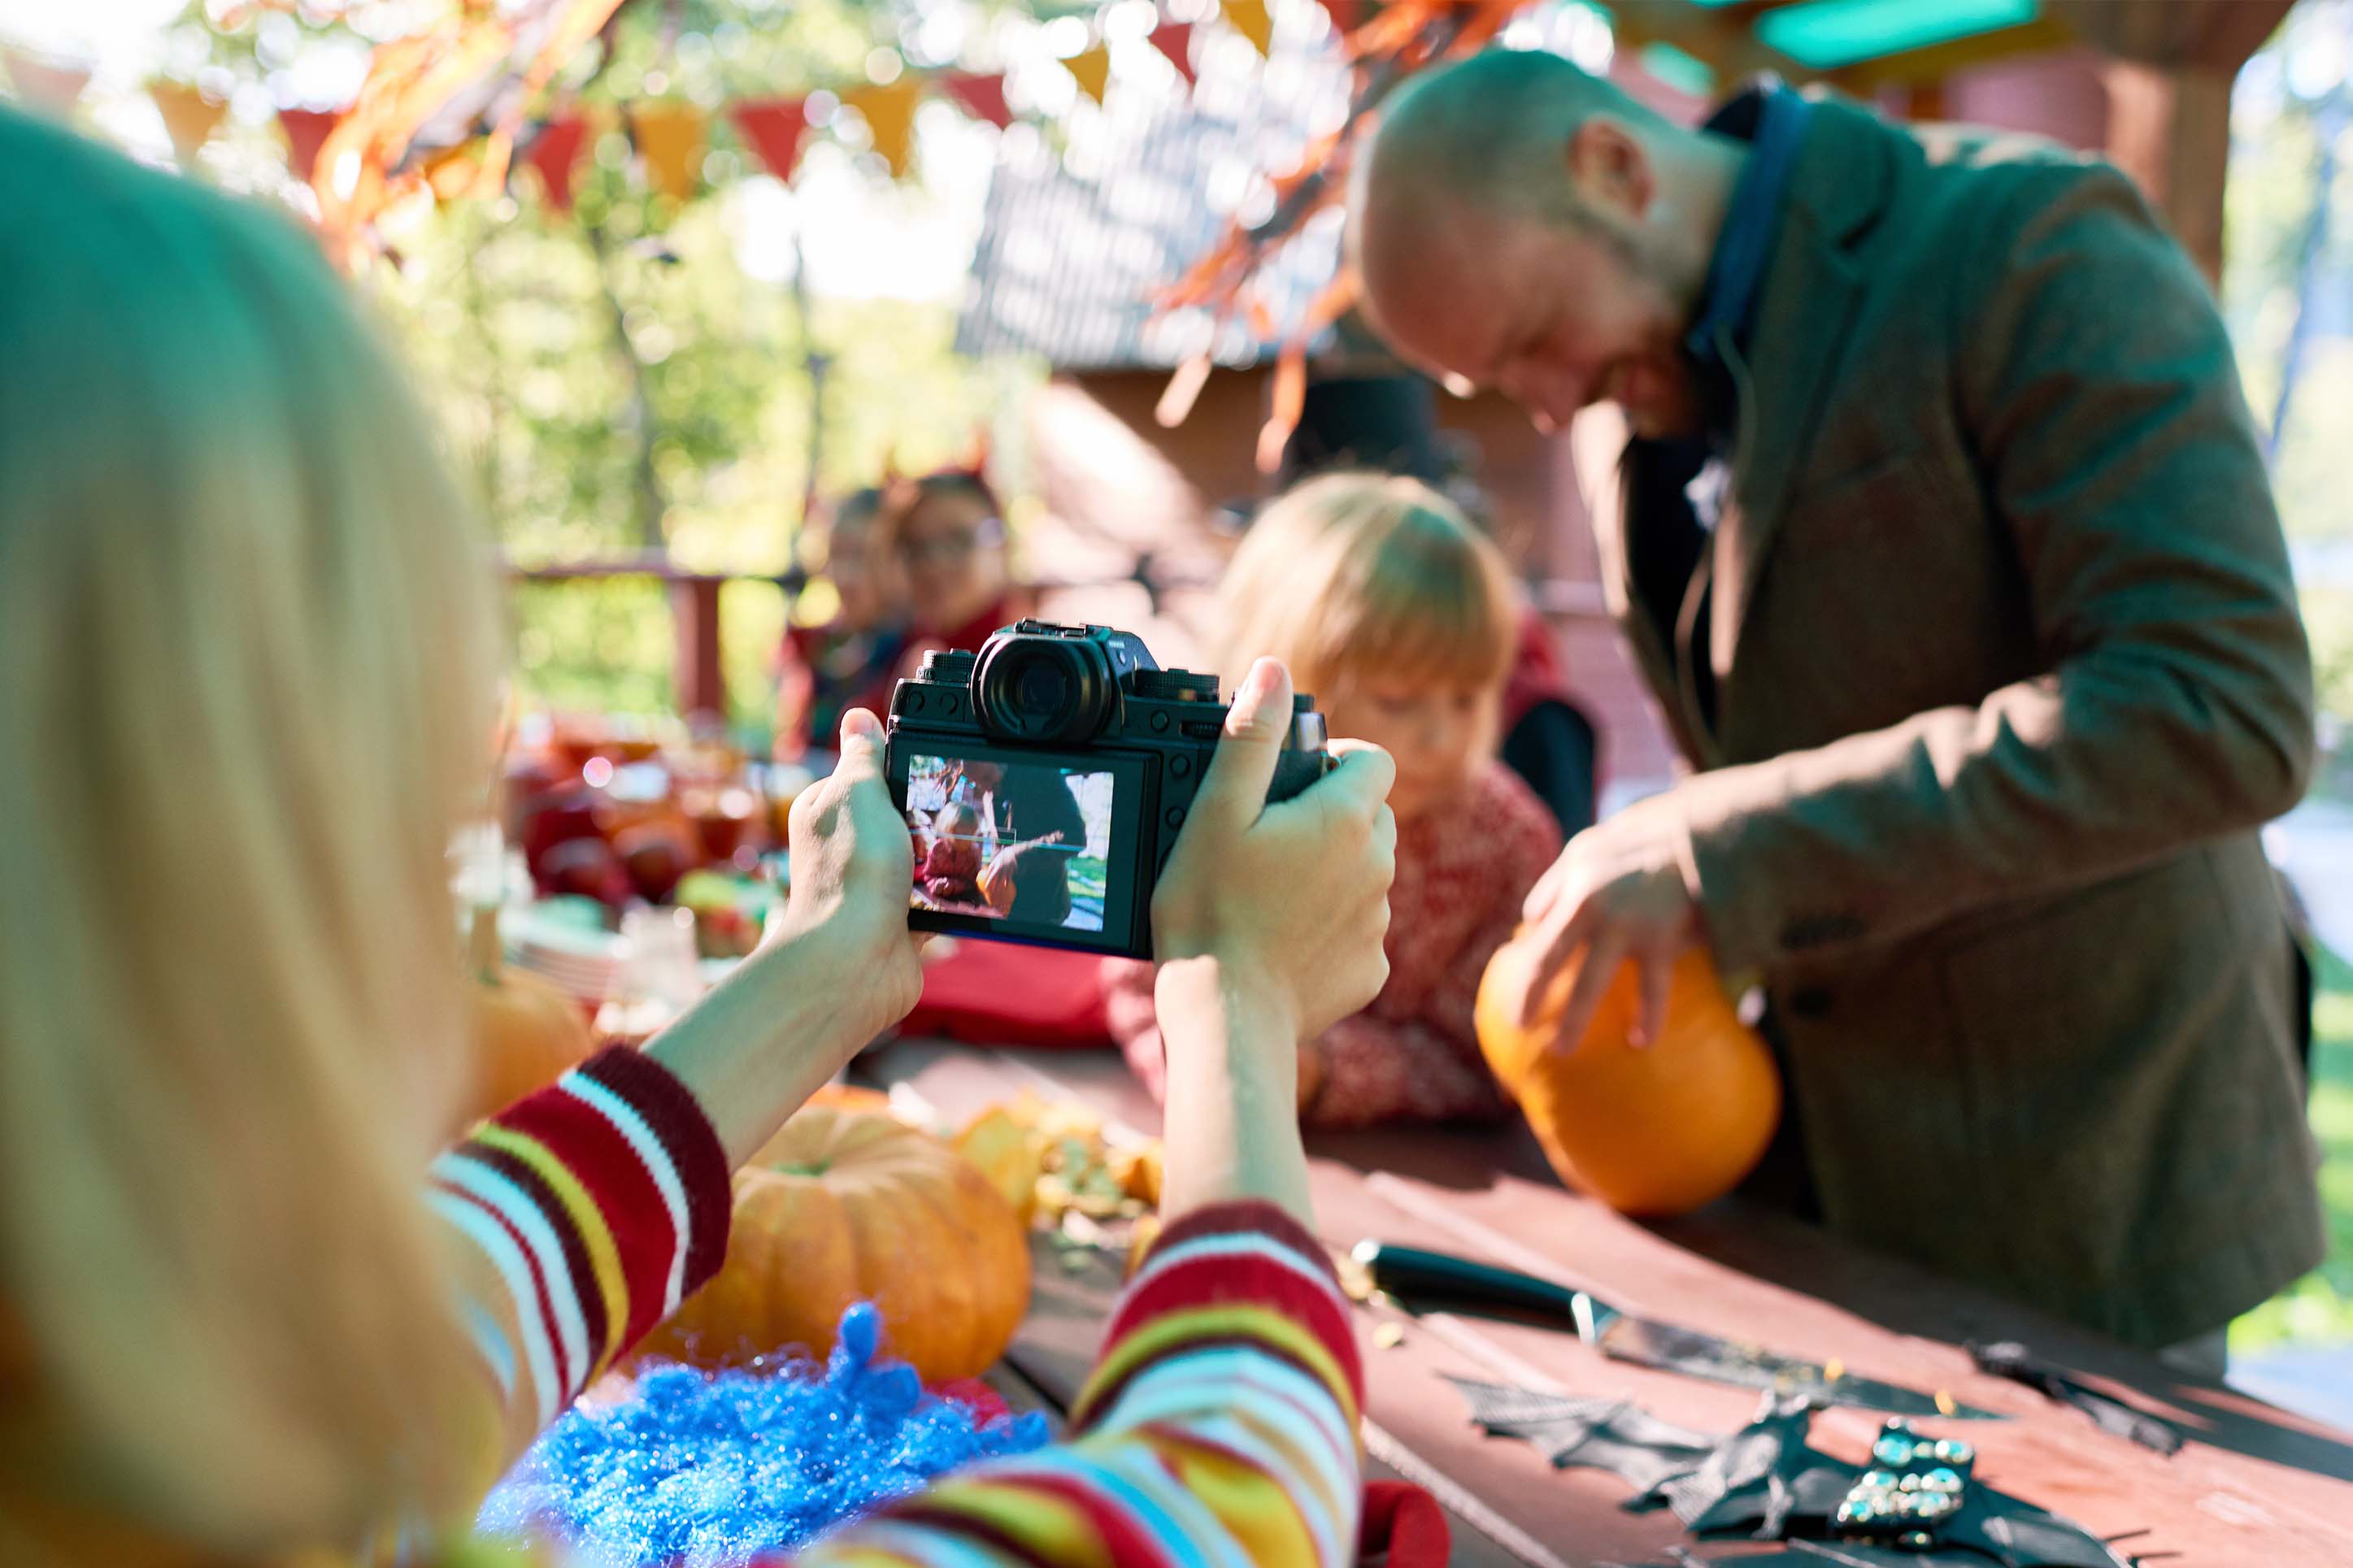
column 1521, row 225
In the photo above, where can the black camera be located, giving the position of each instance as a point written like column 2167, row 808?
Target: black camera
column 1044, row 780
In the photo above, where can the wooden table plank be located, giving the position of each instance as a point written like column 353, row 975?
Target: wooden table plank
column 2254, row 1484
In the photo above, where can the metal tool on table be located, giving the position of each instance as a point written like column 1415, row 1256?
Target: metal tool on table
column 1414, row 1274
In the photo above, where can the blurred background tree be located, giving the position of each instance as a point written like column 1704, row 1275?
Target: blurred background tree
column 641, row 373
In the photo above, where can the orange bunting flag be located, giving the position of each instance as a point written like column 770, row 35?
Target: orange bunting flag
column 48, row 88
column 1175, row 40
column 306, row 131
column 670, row 137
column 983, row 97
column 774, row 128
column 555, row 152
column 1252, row 19
column 888, row 111
column 1093, row 70
column 189, row 117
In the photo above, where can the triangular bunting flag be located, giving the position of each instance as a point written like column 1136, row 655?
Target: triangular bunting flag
column 1345, row 15
column 889, row 112
column 50, row 90
column 1175, row 40
column 306, row 131
column 1093, row 70
column 1251, row 20
column 189, row 117
column 983, row 97
column 774, row 128
column 556, row 153
column 670, row 138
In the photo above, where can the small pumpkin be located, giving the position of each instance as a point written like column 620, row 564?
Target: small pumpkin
column 527, row 1032
column 844, row 1206
column 1010, row 1154
column 1653, row 1132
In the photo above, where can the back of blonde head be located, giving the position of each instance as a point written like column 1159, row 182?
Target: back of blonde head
column 244, row 653
column 1355, row 573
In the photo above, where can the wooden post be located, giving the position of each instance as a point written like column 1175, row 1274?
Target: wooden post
column 2169, row 129
column 694, row 613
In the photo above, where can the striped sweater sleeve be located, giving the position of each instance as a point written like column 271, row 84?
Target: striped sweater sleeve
column 582, row 1215
column 1218, row 1427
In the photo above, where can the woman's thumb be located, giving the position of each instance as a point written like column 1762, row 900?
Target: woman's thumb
column 1253, row 742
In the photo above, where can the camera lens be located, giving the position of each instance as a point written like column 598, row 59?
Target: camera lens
column 1043, row 689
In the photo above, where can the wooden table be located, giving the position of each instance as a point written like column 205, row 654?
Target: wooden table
column 2253, row 1486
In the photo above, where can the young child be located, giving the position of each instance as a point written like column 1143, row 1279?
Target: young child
column 852, row 659
column 1402, row 620
column 949, row 868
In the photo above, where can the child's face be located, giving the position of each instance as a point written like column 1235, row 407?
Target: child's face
column 861, row 573
column 1438, row 733
column 952, row 548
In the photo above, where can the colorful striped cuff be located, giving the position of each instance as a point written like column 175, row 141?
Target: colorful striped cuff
column 1236, row 1273
column 602, row 1203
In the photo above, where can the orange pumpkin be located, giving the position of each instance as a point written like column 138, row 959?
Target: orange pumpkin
column 1655, row 1132
column 527, row 1032
column 844, row 1206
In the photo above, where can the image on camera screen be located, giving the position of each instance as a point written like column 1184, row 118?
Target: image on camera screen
column 1025, row 843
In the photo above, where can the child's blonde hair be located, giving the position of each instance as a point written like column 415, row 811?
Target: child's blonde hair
column 1355, row 574
column 246, row 652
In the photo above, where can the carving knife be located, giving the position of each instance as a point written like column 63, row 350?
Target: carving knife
column 1422, row 1277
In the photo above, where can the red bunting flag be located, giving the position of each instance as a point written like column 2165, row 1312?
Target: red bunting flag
column 555, row 152
column 1175, row 40
column 306, row 131
column 1345, row 15
column 983, row 97
column 774, row 128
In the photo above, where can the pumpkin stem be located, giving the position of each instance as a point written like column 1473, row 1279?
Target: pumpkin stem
column 482, row 950
column 819, row 1169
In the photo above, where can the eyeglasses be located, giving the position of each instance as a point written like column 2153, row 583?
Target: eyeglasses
column 950, row 548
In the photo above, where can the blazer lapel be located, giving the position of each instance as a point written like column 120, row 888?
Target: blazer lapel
column 1811, row 291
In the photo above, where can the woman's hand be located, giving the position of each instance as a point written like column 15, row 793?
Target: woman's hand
column 1267, row 924
column 1293, row 898
column 836, row 967
column 852, row 862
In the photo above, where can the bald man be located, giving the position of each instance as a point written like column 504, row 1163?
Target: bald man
column 1947, row 545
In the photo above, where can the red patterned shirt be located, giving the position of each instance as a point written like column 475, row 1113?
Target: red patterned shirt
column 1462, row 869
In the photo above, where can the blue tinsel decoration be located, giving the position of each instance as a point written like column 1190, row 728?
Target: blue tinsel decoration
column 712, row 1469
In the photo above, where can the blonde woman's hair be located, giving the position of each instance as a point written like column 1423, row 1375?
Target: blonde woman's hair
column 1354, row 574
column 244, row 664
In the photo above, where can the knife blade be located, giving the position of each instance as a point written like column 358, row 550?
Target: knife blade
column 1416, row 1274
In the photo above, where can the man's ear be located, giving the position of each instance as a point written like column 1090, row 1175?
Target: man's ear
column 1609, row 167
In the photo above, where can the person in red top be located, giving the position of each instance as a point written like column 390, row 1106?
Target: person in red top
column 1402, row 619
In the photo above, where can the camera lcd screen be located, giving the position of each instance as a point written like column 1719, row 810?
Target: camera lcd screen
column 1022, row 845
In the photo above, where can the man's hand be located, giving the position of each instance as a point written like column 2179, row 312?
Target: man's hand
column 1616, row 892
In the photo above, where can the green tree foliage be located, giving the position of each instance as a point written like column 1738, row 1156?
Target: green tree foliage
column 615, row 382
